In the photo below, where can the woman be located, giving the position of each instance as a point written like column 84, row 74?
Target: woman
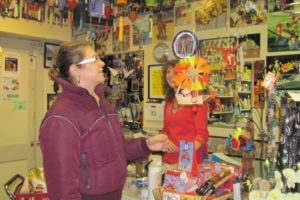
column 187, row 123
column 84, row 152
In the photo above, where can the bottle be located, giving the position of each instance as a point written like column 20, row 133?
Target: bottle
column 154, row 175
column 236, row 189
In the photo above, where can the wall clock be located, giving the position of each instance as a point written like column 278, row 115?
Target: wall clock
column 184, row 44
column 161, row 52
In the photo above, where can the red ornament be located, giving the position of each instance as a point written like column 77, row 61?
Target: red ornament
column 133, row 15
column 107, row 13
column 71, row 6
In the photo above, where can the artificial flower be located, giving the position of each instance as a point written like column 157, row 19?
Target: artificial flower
column 278, row 180
column 275, row 194
column 290, row 176
column 298, row 176
column 254, row 195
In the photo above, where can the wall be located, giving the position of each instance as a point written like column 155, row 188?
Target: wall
column 207, row 34
column 18, row 126
column 22, row 28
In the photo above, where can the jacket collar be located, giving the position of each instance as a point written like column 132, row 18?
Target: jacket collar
column 68, row 87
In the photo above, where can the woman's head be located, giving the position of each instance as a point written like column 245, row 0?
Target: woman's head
column 168, row 82
column 78, row 63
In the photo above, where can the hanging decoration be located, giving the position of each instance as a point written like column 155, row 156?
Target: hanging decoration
column 107, row 13
column 184, row 44
column 191, row 78
column 72, row 4
column 82, row 5
column 121, row 4
column 61, row 6
column 151, row 4
column 51, row 4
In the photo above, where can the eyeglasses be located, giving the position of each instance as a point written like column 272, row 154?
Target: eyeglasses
column 89, row 60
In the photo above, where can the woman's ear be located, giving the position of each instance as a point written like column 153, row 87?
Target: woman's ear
column 75, row 74
column 74, row 71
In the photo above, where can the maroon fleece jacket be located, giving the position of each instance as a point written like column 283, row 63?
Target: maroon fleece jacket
column 84, row 151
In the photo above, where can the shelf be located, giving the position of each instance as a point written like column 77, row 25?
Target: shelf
column 224, row 97
column 229, row 79
column 245, row 110
column 248, row 92
column 221, row 113
column 249, row 81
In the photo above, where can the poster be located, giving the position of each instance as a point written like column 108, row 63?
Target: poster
column 251, row 45
column 10, row 8
column 245, row 13
column 33, row 11
column 182, row 13
column 283, row 32
column 121, row 46
column 11, row 64
column 287, row 65
column 210, row 14
column 220, row 52
column 141, row 30
column 57, row 16
column 163, row 29
column 10, row 88
column 275, row 5
column 155, row 82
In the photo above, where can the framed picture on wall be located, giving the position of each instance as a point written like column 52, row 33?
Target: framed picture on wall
column 155, row 84
column 50, row 52
column 51, row 97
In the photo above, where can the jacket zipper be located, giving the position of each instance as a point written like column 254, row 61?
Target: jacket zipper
column 111, row 128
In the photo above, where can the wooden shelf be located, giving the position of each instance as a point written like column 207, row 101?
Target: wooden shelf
column 245, row 110
column 229, row 79
column 248, row 92
column 221, row 113
column 249, row 81
column 224, row 97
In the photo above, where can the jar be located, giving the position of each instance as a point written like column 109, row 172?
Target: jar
column 140, row 167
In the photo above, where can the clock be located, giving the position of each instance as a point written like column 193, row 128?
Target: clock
column 184, row 44
column 161, row 52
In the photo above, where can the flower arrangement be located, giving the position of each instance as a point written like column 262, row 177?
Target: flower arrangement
column 191, row 78
column 285, row 181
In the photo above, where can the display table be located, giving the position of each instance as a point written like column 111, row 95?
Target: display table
column 131, row 192
column 131, row 195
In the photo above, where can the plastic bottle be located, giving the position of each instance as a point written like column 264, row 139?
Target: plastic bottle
column 236, row 189
column 154, row 175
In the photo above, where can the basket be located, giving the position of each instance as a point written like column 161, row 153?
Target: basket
column 19, row 180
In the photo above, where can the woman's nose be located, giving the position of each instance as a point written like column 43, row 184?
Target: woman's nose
column 101, row 63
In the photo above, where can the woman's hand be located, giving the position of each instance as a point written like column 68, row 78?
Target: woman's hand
column 171, row 147
column 157, row 142
column 197, row 145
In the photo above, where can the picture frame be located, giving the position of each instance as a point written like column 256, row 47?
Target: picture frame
column 50, row 52
column 155, row 84
column 11, row 63
column 184, row 44
column 51, row 97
